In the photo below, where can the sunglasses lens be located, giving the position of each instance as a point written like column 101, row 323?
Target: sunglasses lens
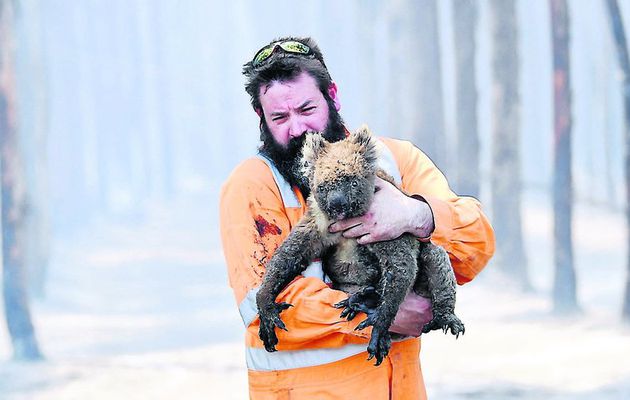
column 295, row 47
column 263, row 55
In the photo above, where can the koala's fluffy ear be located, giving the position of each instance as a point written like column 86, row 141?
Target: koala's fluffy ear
column 367, row 144
column 314, row 145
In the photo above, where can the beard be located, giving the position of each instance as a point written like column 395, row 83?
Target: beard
column 287, row 158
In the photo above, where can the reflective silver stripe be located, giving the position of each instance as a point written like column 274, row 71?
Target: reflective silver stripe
column 261, row 360
column 314, row 270
column 387, row 162
column 286, row 191
column 248, row 308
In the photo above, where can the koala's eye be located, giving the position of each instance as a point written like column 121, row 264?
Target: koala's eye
column 354, row 183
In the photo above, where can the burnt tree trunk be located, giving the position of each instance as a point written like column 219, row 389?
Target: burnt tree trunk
column 506, row 159
column 17, row 312
column 564, row 285
column 616, row 24
column 465, row 23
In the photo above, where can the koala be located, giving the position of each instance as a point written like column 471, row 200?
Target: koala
column 376, row 276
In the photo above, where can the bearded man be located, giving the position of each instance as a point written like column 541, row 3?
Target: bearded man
column 320, row 355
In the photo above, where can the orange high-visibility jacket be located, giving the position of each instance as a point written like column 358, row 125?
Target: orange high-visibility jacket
column 321, row 356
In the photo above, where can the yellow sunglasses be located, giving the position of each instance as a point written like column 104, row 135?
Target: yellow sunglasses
column 288, row 46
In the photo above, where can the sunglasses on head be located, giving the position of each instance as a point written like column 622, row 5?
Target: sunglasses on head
column 288, row 46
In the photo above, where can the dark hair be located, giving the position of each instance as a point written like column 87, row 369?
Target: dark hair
column 282, row 66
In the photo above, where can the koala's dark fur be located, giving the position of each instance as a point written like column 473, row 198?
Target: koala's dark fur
column 376, row 276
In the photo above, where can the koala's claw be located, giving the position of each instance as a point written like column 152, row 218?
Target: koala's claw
column 379, row 345
column 380, row 341
column 342, row 304
column 267, row 334
column 363, row 301
column 371, row 319
column 348, row 312
column 350, row 309
column 269, row 320
column 445, row 322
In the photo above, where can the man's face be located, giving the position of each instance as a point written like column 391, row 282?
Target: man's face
column 294, row 107
column 290, row 109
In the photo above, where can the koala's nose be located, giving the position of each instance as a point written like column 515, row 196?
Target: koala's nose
column 337, row 201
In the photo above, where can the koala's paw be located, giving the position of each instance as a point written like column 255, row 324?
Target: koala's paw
column 371, row 320
column 363, row 301
column 379, row 345
column 269, row 320
column 445, row 322
column 380, row 341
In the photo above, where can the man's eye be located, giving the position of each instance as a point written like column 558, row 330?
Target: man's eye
column 308, row 109
column 279, row 118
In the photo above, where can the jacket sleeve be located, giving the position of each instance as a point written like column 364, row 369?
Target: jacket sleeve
column 253, row 224
column 461, row 227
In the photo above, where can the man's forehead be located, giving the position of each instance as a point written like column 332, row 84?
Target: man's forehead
column 293, row 92
column 303, row 81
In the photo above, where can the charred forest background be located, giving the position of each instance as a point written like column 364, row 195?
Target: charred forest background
column 114, row 112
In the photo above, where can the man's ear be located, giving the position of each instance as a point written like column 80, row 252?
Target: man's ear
column 367, row 144
column 332, row 92
column 259, row 112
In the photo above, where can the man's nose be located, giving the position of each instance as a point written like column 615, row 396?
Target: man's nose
column 296, row 129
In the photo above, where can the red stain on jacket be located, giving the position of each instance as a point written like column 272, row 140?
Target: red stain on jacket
column 265, row 228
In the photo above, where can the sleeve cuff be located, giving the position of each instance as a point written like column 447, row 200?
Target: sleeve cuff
column 442, row 219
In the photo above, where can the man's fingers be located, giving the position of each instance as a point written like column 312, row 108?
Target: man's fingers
column 356, row 231
column 366, row 239
column 344, row 224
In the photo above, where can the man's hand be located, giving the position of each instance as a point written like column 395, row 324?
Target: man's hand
column 413, row 314
column 391, row 214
